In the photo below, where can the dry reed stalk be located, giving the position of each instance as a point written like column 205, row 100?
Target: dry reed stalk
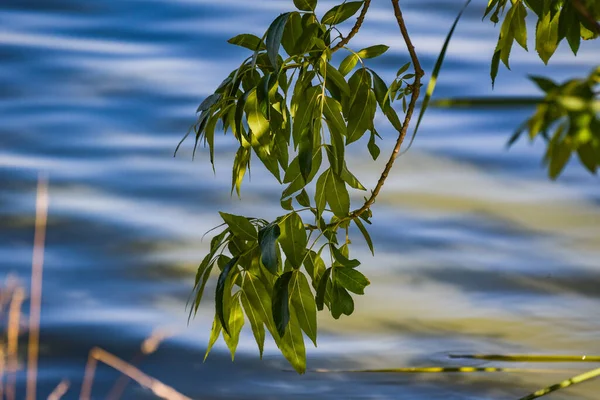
column 157, row 387
column 2, row 355
column 12, row 346
column 60, row 390
column 41, row 217
column 149, row 346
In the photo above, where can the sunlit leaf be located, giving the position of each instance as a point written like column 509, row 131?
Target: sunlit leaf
column 341, row 12
column 361, row 116
column 240, row 226
column 305, row 5
column 293, row 239
column 248, row 41
column 215, row 332
column 342, row 259
column 341, row 302
column 220, row 292
column 373, row 51
column 256, row 322
column 348, row 64
column 303, row 302
column 351, row 279
column 546, row 38
column 236, row 322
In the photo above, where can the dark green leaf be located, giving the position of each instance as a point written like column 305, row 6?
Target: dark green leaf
column 281, row 305
column 303, row 199
column 341, row 12
column 350, row 179
column 292, row 33
column 305, row 152
column 315, row 267
column 287, row 204
column 293, row 239
column 365, row 234
column 403, row 69
column 304, row 305
column 209, row 102
column 545, row 84
column 341, row 302
column 220, row 292
column 322, row 289
column 248, row 41
column 240, row 226
column 342, row 259
column 587, row 156
column 351, row 279
column 305, row 112
column 361, row 116
column 338, row 79
column 274, row 35
column 373, row 148
column 331, row 189
column 267, row 240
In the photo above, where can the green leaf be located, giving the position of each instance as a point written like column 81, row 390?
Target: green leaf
column 256, row 322
column 350, row 179
column 260, row 300
column 543, row 83
column 403, row 69
column 305, row 112
column 546, row 37
column 304, row 305
column 215, row 332
column 315, row 267
column 373, row 51
column 569, row 22
column 287, row 204
column 220, row 292
column 434, row 75
column 267, row 240
column 248, row 41
column 209, row 102
column 240, row 226
column 494, row 66
column 240, row 164
column 359, row 83
column 274, row 35
column 303, row 199
column 332, row 190
column 365, row 234
column 292, row 33
column 305, row 5
column 293, row 175
column 337, row 78
column 341, row 302
column 587, row 156
column 322, row 289
column 559, row 154
column 305, row 152
column 259, row 125
column 341, row 12
column 280, row 308
column 292, row 344
column 342, row 259
column 348, row 64
column 293, row 239
column 373, row 148
column 236, row 322
column 361, row 116
column 380, row 89
column 351, row 279
column 518, row 24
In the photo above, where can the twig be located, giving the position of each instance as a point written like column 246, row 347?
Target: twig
column 36, row 285
column 14, row 323
column 157, row 387
column 354, row 29
column 2, row 367
column 585, row 13
column 527, row 357
column 416, row 89
column 60, row 390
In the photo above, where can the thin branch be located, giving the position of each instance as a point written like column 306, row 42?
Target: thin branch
column 585, row 13
column 354, row 29
column 416, row 89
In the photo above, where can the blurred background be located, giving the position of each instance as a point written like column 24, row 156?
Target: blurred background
column 476, row 250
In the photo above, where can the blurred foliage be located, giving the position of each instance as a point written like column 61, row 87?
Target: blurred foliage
column 295, row 111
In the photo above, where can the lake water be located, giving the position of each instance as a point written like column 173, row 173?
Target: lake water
column 476, row 251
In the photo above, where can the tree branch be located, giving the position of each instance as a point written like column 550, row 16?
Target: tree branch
column 585, row 13
column 416, row 89
column 354, row 29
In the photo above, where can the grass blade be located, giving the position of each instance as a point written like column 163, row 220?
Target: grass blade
column 561, row 385
column 434, row 76
column 487, row 102
column 432, row 370
column 528, row 357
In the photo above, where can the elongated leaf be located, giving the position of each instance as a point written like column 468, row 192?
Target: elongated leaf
column 259, row 125
column 332, row 190
column 434, row 75
column 348, row 64
column 303, row 199
column 260, row 300
column 304, row 305
column 332, row 110
column 342, row 259
column 220, row 292
column 351, row 279
column 546, row 37
column 518, row 24
column 487, row 102
column 362, row 115
column 236, row 322
column 293, row 239
column 305, row 152
column 365, row 234
column 256, row 322
column 305, row 112
column 281, row 305
column 341, row 12
column 215, row 332
column 267, row 240
column 350, row 179
column 248, row 41
column 315, row 267
column 322, row 289
column 292, row 33
column 274, row 34
column 209, row 102
column 292, row 344
column 373, row 51
column 373, row 148
column 240, row 226
column 305, row 5
column 338, row 79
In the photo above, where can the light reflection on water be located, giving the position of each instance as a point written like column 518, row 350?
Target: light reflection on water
column 476, row 250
